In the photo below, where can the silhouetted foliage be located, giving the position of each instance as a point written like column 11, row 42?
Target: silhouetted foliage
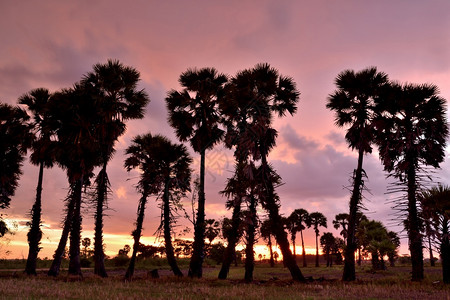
column 193, row 113
column 411, row 134
column 354, row 104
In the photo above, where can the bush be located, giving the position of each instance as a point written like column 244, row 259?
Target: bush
column 120, row 260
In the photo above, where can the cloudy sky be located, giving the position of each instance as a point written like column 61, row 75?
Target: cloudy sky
column 52, row 44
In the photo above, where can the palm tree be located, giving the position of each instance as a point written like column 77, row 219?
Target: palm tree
column 212, row 230
column 299, row 220
column 266, row 234
column 317, row 220
column 73, row 114
column 436, row 206
column 354, row 105
column 411, row 133
column 341, row 220
column 267, row 93
column 165, row 168
column 328, row 242
column 114, row 87
column 37, row 103
column 193, row 113
column 15, row 139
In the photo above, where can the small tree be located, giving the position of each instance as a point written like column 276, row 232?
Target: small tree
column 317, row 220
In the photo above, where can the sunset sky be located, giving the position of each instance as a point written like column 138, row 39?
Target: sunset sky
column 52, row 44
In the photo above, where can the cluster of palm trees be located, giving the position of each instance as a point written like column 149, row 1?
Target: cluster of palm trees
column 76, row 128
column 407, row 123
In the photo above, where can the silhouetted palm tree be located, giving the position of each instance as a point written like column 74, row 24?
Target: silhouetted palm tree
column 341, row 220
column 299, row 220
column 193, row 113
column 436, row 206
column 412, row 131
column 37, row 103
column 354, row 105
column 267, row 93
column 165, row 168
column 328, row 242
column 266, row 233
column 114, row 88
column 73, row 114
column 317, row 220
column 15, row 138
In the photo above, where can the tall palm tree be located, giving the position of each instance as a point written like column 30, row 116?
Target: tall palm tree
column 73, row 114
column 354, row 104
column 165, row 169
column 299, row 220
column 193, row 112
column 37, row 103
column 436, row 206
column 267, row 93
column 411, row 133
column 118, row 99
column 317, row 220
column 15, row 139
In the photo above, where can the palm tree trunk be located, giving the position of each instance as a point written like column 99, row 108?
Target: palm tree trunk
column 102, row 192
column 293, row 244
column 137, row 235
column 414, row 236
column 75, row 232
column 349, row 263
column 317, row 250
column 278, row 229
column 271, row 260
column 56, row 264
column 35, row 233
column 232, row 239
column 195, row 266
column 431, row 251
column 445, row 252
column 303, row 249
column 249, row 254
column 167, row 236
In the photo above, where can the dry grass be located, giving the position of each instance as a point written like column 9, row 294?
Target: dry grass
column 269, row 284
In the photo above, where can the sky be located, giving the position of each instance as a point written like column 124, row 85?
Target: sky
column 52, row 44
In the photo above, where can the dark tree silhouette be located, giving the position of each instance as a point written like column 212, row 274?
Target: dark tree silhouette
column 212, row 230
column 354, row 104
column 412, row 131
column 114, row 88
column 435, row 204
column 73, row 114
column 328, row 243
column 341, row 220
column 165, row 168
column 266, row 234
column 299, row 220
column 15, row 139
column 317, row 220
column 267, row 93
column 42, row 155
column 193, row 113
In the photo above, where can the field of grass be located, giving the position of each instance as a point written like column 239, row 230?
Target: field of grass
column 269, row 283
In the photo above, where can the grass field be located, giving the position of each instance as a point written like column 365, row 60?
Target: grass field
column 269, row 283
